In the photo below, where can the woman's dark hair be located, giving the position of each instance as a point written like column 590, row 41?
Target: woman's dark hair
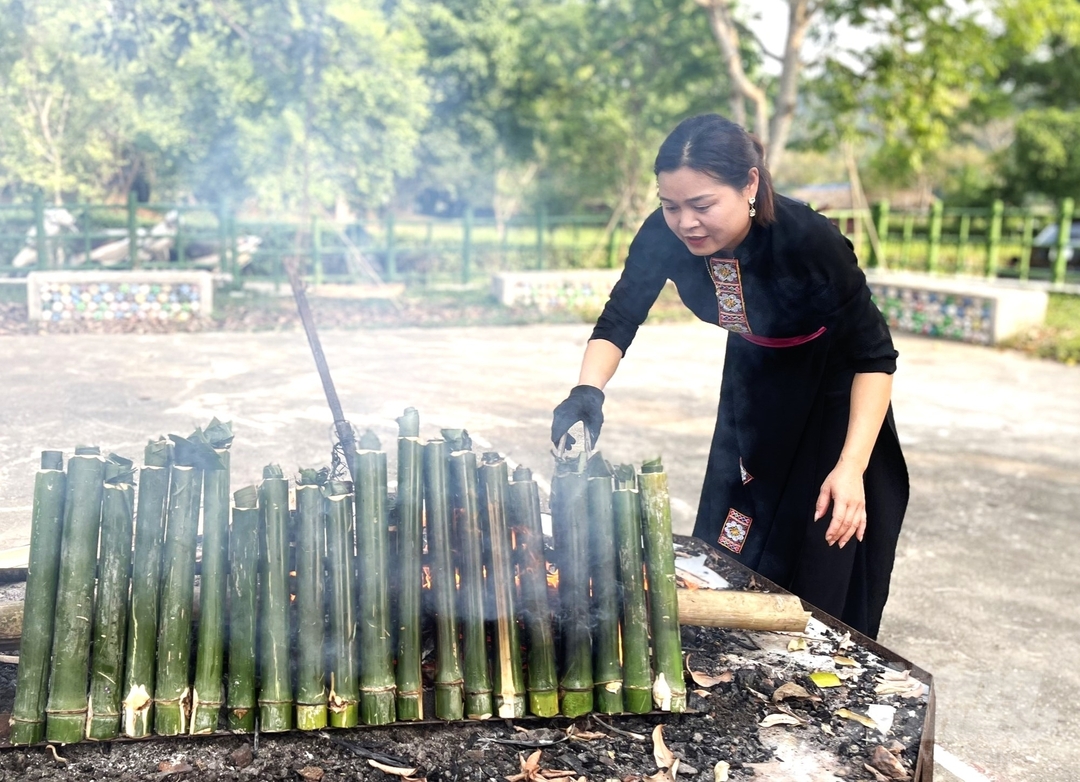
column 723, row 150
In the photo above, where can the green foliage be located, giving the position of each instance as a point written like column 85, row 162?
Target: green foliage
column 1046, row 153
column 294, row 105
column 1059, row 338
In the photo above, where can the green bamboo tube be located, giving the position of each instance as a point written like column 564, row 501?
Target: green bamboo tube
column 344, row 698
column 172, row 690
column 607, row 667
column 275, row 684
column 410, row 566
column 240, row 703
column 311, row 712
column 669, row 687
column 509, row 678
column 524, row 515
column 111, row 602
column 449, row 685
column 570, row 519
column 140, row 659
column 208, row 693
column 637, row 672
column 468, row 537
column 65, row 712
column 377, row 683
column 35, row 645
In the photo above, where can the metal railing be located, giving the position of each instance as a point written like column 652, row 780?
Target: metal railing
column 992, row 241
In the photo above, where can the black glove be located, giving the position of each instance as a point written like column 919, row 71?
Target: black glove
column 584, row 404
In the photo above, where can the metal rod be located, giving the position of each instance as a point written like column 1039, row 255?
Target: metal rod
column 341, row 426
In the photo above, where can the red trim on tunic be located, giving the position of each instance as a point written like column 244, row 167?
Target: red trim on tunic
column 782, row 342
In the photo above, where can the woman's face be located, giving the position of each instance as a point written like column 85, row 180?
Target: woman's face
column 708, row 216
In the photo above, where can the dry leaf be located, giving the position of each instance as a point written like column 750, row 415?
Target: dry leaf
column 862, row 719
column 701, row 693
column 825, row 679
column 792, row 690
column 878, row 776
column 826, row 728
column 845, row 642
column 705, row 680
column 797, row 645
column 785, row 710
column 313, row 773
column 392, row 770
column 166, row 769
column 663, row 756
column 720, row 771
column 846, row 674
column 896, row 683
column 840, row 660
column 885, row 762
column 779, row 719
column 576, row 733
column 529, row 768
column 56, row 755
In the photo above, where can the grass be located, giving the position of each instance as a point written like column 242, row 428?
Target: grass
column 1059, row 337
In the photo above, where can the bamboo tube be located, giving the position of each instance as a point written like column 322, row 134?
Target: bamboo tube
column 46, row 527
column 449, row 685
column 275, row 685
column 569, row 511
column 377, row 683
column 607, row 667
column 410, row 539
column 240, row 700
column 172, row 691
column 467, row 536
column 524, row 513
column 343, row 700
column 140, row 660
column 509, row 679
column 111, row 602
column 311, row 712
column 637, row 672
column 65, row 711
column 209, row 693
column 669, row 687
column 743, row 610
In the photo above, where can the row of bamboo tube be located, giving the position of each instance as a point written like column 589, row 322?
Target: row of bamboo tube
column 312, row 613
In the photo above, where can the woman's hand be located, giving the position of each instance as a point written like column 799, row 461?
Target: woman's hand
column 843, row 487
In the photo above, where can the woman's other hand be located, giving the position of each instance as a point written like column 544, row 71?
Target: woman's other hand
column 843, row 490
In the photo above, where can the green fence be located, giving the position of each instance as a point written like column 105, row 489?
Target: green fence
column 994, row 241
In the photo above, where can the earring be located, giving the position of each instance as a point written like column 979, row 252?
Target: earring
column 753, row 211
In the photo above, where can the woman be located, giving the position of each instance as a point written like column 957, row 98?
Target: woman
column 805, row 481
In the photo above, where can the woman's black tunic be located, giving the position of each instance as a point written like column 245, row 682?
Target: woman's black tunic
column 784, row 400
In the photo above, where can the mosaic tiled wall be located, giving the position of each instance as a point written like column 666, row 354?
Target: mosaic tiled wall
column 119, row 300
column 555, row 290
column 936, row 313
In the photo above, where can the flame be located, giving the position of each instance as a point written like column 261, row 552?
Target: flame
column 553, row 579
column 425, row 578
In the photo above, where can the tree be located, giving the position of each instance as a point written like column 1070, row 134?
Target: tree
column 604, row 89
column 293, row 105
column 65, row 113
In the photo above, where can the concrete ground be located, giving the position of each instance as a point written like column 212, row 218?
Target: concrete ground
column 986, row 581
